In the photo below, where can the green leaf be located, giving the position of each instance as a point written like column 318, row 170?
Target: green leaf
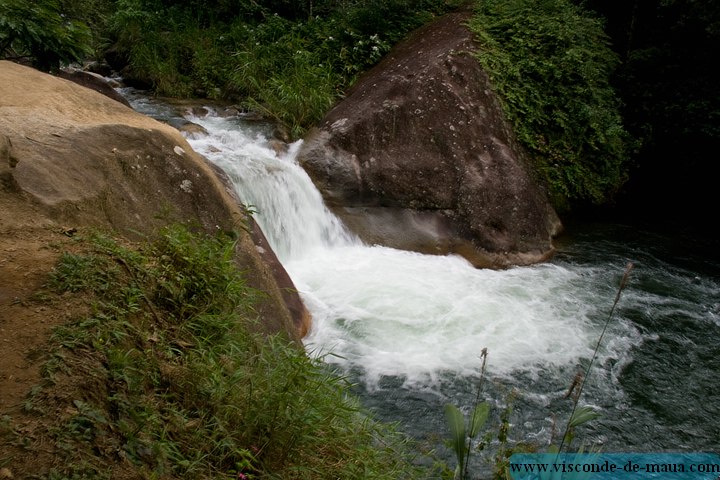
column 456, row 424
column 583, row 415
column 478, row 418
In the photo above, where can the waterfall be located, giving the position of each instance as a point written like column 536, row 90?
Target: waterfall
column 288, row 207
column 409, row 328
column 395, row 313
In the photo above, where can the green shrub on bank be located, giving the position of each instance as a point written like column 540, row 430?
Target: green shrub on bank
column 290, row 61
column 165, row 379
column 551, row 64
column 39, row 32
column 549, row 61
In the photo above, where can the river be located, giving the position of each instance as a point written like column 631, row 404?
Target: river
column 408, row 329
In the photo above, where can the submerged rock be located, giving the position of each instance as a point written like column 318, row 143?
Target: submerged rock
column 419, row 156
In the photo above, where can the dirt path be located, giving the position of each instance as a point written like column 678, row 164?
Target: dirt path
column 24, row 324
column 29, row 247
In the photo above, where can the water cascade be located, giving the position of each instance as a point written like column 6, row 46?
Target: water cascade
column 409, row 328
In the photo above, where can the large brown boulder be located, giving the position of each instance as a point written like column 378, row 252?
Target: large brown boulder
column 71, row 157
column 419, row 156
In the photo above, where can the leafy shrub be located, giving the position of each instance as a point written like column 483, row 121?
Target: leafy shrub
column 551, row 64
column 40, row 32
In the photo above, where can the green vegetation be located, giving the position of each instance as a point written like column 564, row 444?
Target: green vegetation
column 164, row 379
column 462, row 435
column 40, row 32
column 668, row 82
column 291, row 61
column 550, row 63
column 549, row 60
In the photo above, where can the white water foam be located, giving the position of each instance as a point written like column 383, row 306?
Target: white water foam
column 419, row 317
column 290, row 210
column 395, row 313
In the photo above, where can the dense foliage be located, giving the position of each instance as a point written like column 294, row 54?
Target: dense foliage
column 668, row 80
column 163, row 378
column 290, row 60
column 41, row 33
column 549, row 60
column 551, row 64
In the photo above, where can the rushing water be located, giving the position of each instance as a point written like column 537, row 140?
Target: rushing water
column 409, row 328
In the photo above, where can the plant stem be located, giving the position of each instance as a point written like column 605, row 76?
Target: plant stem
column 623, row 284
column 483, row 355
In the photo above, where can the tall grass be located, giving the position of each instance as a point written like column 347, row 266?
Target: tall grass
column 167, row 380
column 580, row 415
column 462, row 435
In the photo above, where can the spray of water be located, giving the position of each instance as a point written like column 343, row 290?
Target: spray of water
column 289, row 208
